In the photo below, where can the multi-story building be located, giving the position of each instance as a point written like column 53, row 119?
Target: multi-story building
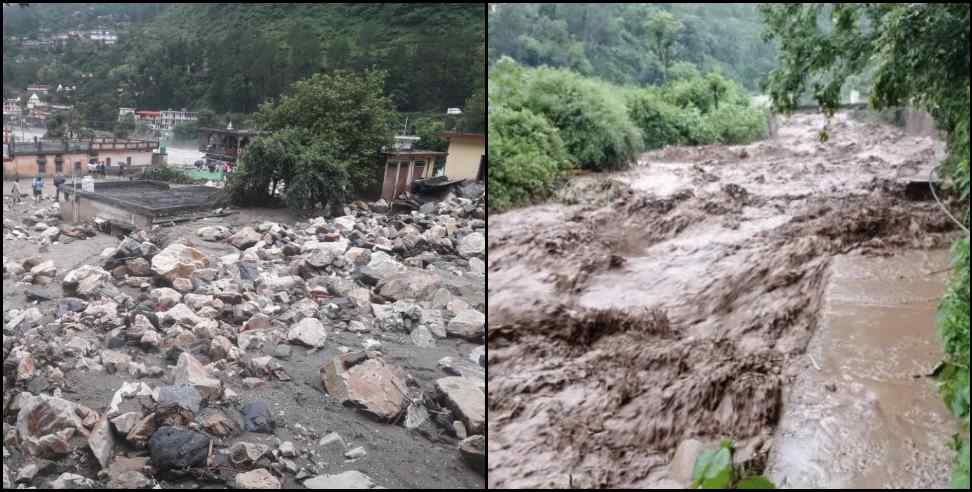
column 106, row 37
column 39, row 89
column 169, row 119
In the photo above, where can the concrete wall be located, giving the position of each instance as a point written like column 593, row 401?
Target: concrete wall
column 26, row 165
column 465, row 155
column 89, row 209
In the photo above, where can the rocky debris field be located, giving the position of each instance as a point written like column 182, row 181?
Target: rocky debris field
column 671, row 305
column 247, row 353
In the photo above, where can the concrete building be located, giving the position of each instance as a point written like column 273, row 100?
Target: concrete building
column 38, row 89
column 71, row 157
column 225, row 145
column 467, row 156
column 137, row 204
column 405, row 164
column 169, row 119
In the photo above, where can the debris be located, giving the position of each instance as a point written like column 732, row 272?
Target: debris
column 346, row 480
column 473, row 452
column 257, row 417
column 257, row 479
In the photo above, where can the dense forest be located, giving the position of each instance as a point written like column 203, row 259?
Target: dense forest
column 635, row 43
column 211, row 57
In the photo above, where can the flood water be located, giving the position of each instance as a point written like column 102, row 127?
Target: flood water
column 868, row 418
column 679, row 301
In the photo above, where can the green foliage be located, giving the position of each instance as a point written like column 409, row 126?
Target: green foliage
column 325, row 144
column 634, row 43
column 914, row 54
column 347, row 112
column 714, row 470
column 231, row 58
column 695, row 111
column 125, row 126
column 590, row 115
column 430, row 131
column 526, row 156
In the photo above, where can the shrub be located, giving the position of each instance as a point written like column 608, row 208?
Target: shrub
column 737, row 124
column 590, row 115
column 526, row 156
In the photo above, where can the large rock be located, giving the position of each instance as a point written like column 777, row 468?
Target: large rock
column 180, row 313
column 473, row 245
column 102, row 442
column 381, row 266
column 257, row 417
column 244, row 455
column 46, row 425
column 190, row 371
column 309, row 331
column 366, row 383
column 342, row 481
column 165, row 297
column 46, row 268
column 473, row 451
column 87, row 282
column 467, row 399
column 411, row 285
column 71, row 481
column 469, row 324
column 178, row 260
column 245, row 237
column 683, row 463
column 213, row 233
column 257, row 479
column 175, row 449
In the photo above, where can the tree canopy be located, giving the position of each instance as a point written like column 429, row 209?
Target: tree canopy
column 634, row 43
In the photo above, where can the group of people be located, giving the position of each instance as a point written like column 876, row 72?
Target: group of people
column 213, row 166
column 37, row 186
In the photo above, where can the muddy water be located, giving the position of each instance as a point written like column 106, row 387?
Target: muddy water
column 677, row 301
column 863, row 420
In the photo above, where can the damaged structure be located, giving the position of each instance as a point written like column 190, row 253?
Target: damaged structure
column 136, row 204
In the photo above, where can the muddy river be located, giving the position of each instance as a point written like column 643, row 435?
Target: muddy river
column 780, row 294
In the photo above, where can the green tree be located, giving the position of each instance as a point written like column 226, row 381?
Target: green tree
column 343, row 120
column 125, row 126
column 664, row 29
column 915, row 54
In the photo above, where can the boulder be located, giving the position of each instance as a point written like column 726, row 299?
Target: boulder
column 366, row 383
column 176, row 449
column 469, row 324
column 257, row 479
column 381, row 266
column 466, row 398
column 190, row 371
column 46, row 425
column 343, row 481
column 178, row 404
column 683, row 463
column 309, row 332
column 257, row 417
column 473, row 245
column 213, row 233
column 46, row 268
column 245, row 237
column 88, row 282
column 165, row 297
column 178, row 261
column 102, row 442
column 244, row 455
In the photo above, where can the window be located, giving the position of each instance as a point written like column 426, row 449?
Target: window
column 41, row 166
column 439, row 167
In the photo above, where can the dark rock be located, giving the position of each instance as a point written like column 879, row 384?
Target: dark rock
column 176, row 449
column 70, row 305
column 257, row 418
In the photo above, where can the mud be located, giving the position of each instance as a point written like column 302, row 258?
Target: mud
column 669, row 302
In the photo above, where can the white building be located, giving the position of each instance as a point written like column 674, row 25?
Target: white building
column 169, row 119
column 106, row 36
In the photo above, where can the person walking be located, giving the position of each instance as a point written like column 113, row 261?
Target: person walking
column 15, row 191
column 38, row 188
column 58, row 183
